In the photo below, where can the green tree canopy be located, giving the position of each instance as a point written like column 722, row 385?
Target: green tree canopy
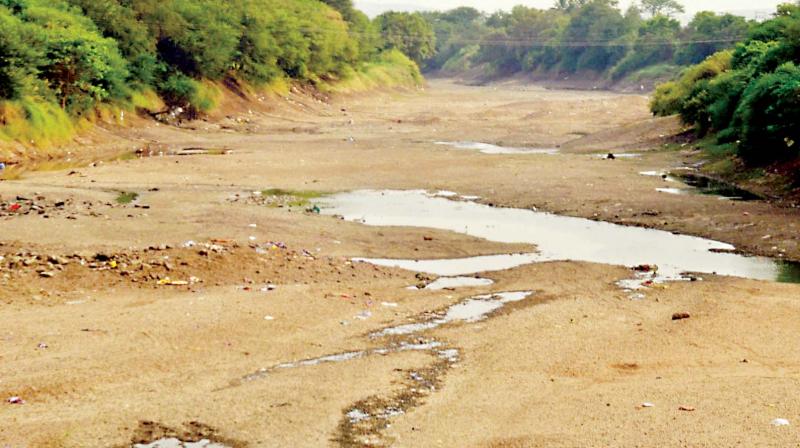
column 409, row 33
column 661, row 7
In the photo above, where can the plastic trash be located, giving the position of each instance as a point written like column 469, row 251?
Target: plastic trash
column 648, row 405
column 169, row 282
column 780, row 422
column 2, row 166
column 646, row 268
column 15, row 400
column 357, row 415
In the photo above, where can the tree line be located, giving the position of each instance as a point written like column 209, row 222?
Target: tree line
column 587, row 36
column 69, row 57
column 747, row 98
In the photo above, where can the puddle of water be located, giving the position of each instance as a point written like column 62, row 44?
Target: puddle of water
column 698, row 184
column 558, row 238
column 456, row 282
column 709, row 186
column 622, row 155
column 176, row 443
column 652, row 173
column 676, row 191
column 660, row 174
column 403, row 346
column 788, row 272
column 471, row 310
column 458, row 266
column 339, row 357
column 488, row 148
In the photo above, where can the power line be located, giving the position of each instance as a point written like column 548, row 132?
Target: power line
column 536, row 43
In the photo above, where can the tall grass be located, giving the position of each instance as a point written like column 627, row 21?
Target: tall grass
column 391, row 69
column 34, row 123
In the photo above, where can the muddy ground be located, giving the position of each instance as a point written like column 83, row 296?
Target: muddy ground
column 166, row 316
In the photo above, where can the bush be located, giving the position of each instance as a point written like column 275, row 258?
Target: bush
column 769, row 113
column 750, row 97
column 689, row 93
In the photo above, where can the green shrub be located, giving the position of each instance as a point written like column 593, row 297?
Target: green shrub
column 689, row 93
column 769, row 114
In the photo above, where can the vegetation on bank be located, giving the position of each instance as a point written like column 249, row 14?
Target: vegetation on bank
column 746, row 100
column 591, row 37
column 66, row 62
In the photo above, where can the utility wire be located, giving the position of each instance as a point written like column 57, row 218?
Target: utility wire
column 532, row 42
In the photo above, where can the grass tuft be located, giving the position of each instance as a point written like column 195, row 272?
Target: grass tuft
column 126, row 197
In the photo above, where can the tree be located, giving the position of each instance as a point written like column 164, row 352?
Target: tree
column 569, row 5
column 661, row 7
column 345, row 8
column 709, row 33
column 592, row 38
column 409, row 33
column 654, row 44
column 769, row 113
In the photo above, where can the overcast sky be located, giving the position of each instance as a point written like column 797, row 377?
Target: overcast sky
column 749, row 8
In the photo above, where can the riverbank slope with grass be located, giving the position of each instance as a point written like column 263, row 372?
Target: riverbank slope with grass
column 69, row 66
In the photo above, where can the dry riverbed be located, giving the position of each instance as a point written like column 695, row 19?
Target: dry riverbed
column 213, row 296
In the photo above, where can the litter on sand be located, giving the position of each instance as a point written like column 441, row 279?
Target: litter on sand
column 780, row 422
column 169, row 282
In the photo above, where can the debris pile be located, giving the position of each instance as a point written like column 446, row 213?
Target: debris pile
column 39, row 205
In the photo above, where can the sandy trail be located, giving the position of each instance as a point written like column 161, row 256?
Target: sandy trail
column 94, row 352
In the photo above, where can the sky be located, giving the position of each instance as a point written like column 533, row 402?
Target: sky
column 748, row 8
